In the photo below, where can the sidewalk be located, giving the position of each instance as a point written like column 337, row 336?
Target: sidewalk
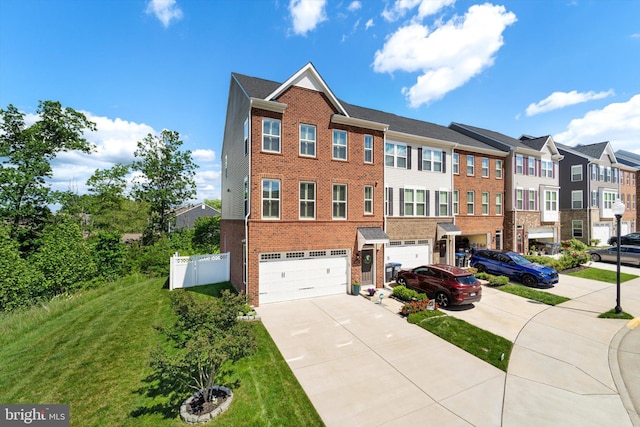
column 581, row 369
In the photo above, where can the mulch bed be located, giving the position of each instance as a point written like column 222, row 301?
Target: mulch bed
column 198, row 405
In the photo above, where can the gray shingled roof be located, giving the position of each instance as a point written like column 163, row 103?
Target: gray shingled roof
column 535, row 143
column 495, row 139
column 628, row 158
column 261, row 88
column 592, row 150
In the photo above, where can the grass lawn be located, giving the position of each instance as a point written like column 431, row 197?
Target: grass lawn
column 92, row 351
column 602, row 275
column 533, row 294
column 483, row 344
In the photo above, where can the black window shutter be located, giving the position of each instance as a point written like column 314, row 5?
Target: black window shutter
column 444, row 162
column 426, row 199
column 450, row 211
column 437, row 198
column 402, row 202
column 408, row 157
column 420, row 158
column 390, row 201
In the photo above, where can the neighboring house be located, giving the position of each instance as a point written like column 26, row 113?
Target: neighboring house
column 627, row 191
column 631, row 160
column 589, row 180
column 186, row 216
column 302, row 190
column 531, row 187
column 479, row 196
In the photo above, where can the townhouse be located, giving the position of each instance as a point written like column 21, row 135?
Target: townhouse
column 302, row 190
column 630, row 162
column 590, row 182
column 531, row 188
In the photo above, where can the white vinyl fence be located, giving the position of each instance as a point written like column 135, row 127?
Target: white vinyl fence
column 198, row 270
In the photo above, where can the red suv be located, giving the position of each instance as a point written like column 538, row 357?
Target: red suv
column 446, row 284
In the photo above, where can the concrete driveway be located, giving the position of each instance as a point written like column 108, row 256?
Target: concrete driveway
column 360, row 363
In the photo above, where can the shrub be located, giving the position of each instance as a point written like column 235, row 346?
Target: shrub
column 483, row 275
column 414, row 307
column 498, row 280
column 404, row 294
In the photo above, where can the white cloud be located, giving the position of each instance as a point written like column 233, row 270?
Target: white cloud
column 618, row 123
column 165, row 10
column 203, row 155
column 447, row 56
column 369, row 24
column 116, row 141
column 425, row 8
column 559, row 100
column 306, row 15
column 354, row 5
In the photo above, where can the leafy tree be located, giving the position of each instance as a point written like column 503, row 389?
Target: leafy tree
column 109, row 253
column 64, row 258
column 109, row 185
column 206, row 235
column 167, row 178
column 25, row 160
column 214, row 203
column 18, row 278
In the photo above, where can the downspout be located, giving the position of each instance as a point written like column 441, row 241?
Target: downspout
column 452, row 256
column 248, row 214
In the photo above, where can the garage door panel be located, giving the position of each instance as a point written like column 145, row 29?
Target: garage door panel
column 302, row 278
column 409, row 256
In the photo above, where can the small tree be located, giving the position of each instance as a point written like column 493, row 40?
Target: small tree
column 166, row 179
column 206, row 235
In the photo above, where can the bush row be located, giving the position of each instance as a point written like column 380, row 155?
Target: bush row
column 404, row 294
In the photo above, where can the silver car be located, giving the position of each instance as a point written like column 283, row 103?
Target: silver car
column 628, row 254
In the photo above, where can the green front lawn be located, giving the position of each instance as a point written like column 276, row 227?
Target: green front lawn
column 533, row 294
column 602, row 275
column 92, row 352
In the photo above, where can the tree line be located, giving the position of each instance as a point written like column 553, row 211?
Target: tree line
column 43, row 253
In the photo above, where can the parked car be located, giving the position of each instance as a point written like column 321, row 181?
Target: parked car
column 514, row 266
column 628, row 254
column 446, row 284
column 627, row 239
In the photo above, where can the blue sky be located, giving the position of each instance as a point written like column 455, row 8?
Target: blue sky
column 566, row 68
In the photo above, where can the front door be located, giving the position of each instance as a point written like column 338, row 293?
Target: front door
column 442, row 247
column 367, row 267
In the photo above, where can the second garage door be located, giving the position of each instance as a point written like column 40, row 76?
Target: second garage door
column 303, row 274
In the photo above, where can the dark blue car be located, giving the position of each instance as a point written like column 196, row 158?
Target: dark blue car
column 514, row 266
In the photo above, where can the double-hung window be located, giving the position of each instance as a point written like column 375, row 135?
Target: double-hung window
column 307, row 200
column 470, row 202
column 470, row 165
column 547, row 168
column 485, row 167
column 456, row 163
column 395, row 155
column 576, row 228
column 550, row 200
column 519, row 199
column 307, row 140
column 271, row 135
column 608, row 198
column 339, row 144
column 339, row 201
column 519, row 164
column 368, row 199
column 532, row 167
column 499, row 168
column 431, row 160
column 456, row 202
column 576, row 199
column 443, row 203
column 245, row 134
column 498, row 203
column 576, row 173
column 532, row 199
column 415, row 202
column 485, row 203
column 368, row 149
column 270, row 199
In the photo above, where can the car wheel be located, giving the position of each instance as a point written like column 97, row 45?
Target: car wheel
column 442, row 300
column 529, row 280
column 481, row 268
column 401, row 281
column 595, row 257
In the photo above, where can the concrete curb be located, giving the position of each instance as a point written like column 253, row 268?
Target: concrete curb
column 618, row 378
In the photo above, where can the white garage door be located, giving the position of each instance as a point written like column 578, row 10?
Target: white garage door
column 408, row 255
column 295, row 275
column 601, row 232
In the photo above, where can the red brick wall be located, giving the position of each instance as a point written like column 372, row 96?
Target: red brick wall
column 306, row 106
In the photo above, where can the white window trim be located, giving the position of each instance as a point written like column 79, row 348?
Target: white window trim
column 315, row 141
column 520, row 198
column 395, row 155
column 346, row 199
column 300, row 200
column 485, row 175
column 364, row 146
column 266, row 119
column 455, row 202
column 499, row 168
column 482, row 201
column 472, row 165
column 499, row 204
column 471, row 204
column 431, row 158
column 573, row 174
column 577, row 221
column 415, row 202
column 532, row 191
column 455, row 163
column 365, row 199
column 573, row 199
column 548, row 200
column 334, row 145
column 279, row 199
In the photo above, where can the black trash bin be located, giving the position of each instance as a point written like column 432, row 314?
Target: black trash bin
column 388, row 272
column 396, row 268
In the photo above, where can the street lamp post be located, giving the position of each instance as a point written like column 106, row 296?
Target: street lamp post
column 618, row 210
